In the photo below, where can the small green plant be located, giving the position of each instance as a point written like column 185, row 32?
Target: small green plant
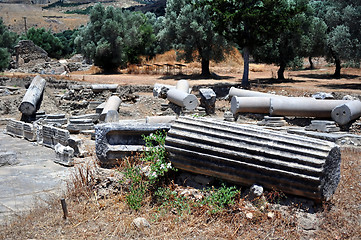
column 156, row 155
column 219, row 199
column 169, row 200
column 137, row 187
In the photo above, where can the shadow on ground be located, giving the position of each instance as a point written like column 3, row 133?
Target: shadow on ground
column 354, row 86
column 326, row 76
column 195, row 77
column 274, row 81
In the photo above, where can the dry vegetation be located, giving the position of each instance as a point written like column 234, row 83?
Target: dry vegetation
column 93, row 218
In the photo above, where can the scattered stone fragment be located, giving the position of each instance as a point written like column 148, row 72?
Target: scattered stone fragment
column 228, row 116
column 64, row 155
column 270, row 215
column 323, row 95
column 255, row 191
column 272, row 121
column 322, row 126
column 140, row 223
column 8, row 158
column 249, row 215
column 208, row 100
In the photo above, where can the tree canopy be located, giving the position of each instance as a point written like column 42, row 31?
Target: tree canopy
column 189, row 29
column 251, row 23
column 46, row 40
column 343, row 20
column 292, row 44
column 7, row 43
column 114, row 37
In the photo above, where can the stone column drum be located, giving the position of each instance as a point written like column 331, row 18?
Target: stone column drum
column 182, row 99
column 346, row 112
column 248, row 154
column 303, row 107
column 112, row 103
column 32, row 98
column 250, row 105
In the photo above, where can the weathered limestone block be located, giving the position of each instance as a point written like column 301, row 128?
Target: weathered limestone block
column 113, row 141
column 346, row 112
column 48, row 135
column 52, row 136
column 208, row 100
column 78, row 145
column 56, row 119
column 94, row 117
column 160, row 90
column 30, row 132
column 15, row 128
column 182, row 99
column 248, row 154
column 64, row 155
column 33, row 96
column 322, row 126
column 61, row 136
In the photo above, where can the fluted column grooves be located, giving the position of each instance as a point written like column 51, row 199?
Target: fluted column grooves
column 248, row 154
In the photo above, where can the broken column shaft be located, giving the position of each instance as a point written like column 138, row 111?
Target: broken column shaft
column 303, row 107
column 112, row 103
column 247, row 93
column 182, row 99
column 346, row 112
column 183, row 85
column 33, row 96
column 250, row 105
column 247, row 154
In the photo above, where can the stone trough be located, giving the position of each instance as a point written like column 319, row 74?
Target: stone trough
column 114, row 141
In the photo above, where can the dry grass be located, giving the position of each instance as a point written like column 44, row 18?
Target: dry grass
column 111, row 218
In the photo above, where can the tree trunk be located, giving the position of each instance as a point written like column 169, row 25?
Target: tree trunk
column 311, row 63
column 280, row 72
column 245, row 82
column 205, row 68
column 337, row 73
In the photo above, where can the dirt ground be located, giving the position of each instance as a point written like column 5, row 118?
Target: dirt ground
column 92, row 217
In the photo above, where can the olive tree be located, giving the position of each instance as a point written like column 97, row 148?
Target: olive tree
column 115, row 37
column 189, row 29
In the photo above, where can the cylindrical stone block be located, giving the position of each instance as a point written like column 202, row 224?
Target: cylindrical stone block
column 247, row 93
column 32, row 98
column 104, row 87
column 250, row 105
column 248, row 154
column 346, row 112
column 183, row 85
column 112, row 103
column 303, row 107
column 160, row 119
column 182, row 99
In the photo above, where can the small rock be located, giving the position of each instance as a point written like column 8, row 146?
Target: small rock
column 140, row 223
column 249, row 215
column 323, row 95
column 255, row 191
column 270, row 215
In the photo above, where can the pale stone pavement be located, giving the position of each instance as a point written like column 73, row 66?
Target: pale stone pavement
column 32, row 180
